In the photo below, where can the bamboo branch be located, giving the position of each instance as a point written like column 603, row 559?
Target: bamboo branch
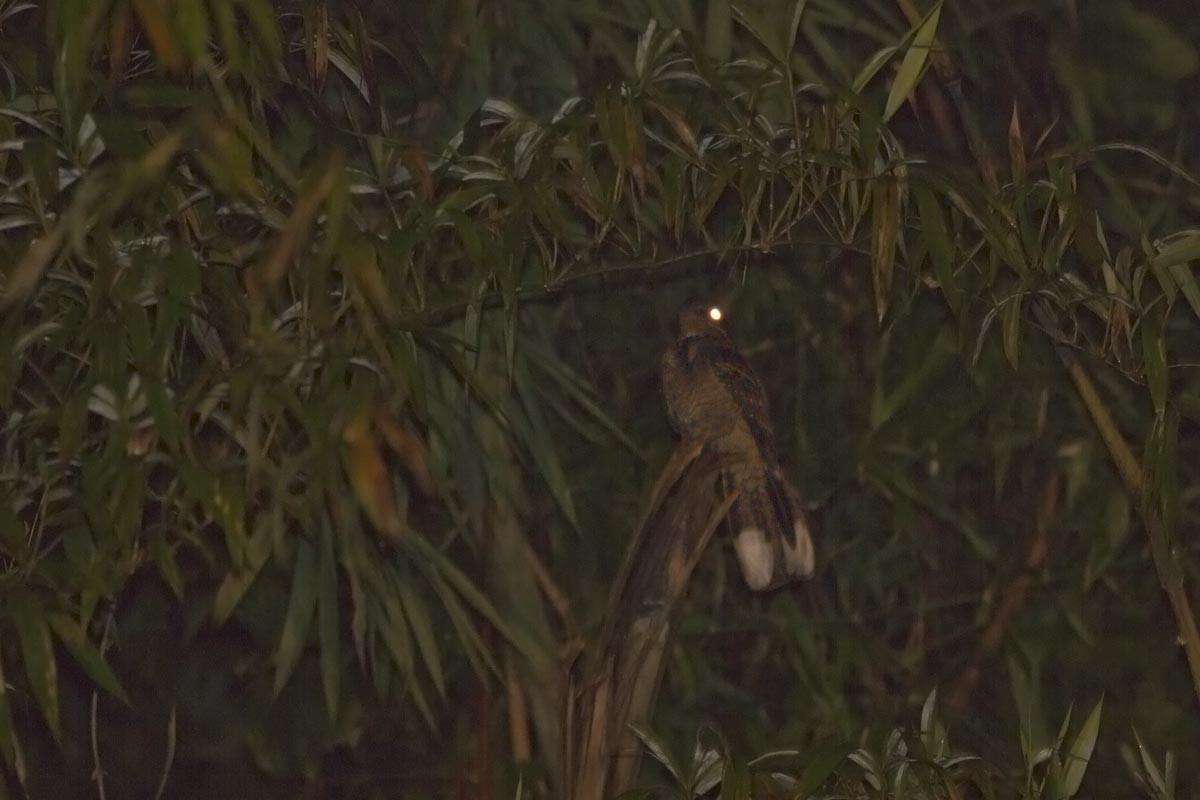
column 625, row 673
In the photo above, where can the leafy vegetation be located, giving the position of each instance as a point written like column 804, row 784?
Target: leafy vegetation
column 328, row 351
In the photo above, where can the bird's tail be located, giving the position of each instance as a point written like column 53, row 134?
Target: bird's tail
column 770, row 532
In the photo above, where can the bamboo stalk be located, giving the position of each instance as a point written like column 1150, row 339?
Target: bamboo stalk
column 621, row 684
column 1130, row 470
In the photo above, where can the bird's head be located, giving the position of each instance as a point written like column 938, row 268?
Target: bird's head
column 699, row 319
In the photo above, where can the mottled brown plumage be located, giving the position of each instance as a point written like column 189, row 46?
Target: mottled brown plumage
column 713, row 395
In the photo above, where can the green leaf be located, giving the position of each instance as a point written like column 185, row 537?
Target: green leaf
column 1172, row 266
column 37, row 651
column 164, row 559
column 1189, row 406
column 166, row 421
column 793, row 27
column 191, row 25
column 229, row 33
column 928, row 720
column 718, row 33
column 1164, row 472
column 941, row 252
column 885, row 208
column 1016, row 147
column 1010, row 323
column 1179, row 252
column 914, row 63
column 761, row 29
column 535, row 435
column 89, row 657
column 820, row 764
column 871, row 68
column 265, row 24
column 1152, row 774
column 470, row 592
column 658, row 749
column 1081, row 751
column 394, row 629
column 157, row 27
column 28, row 271
column 72, row 423
column 235, row 584
column 13, row 536
column 299, row 614
column 735, row 780
column 1186, row 281
column 9, row 747
column 576, row 388
column 1154, row 351
column 473, row 647
column 396, row 637
column 940, row 351
column 422, row 628
column 327, row 623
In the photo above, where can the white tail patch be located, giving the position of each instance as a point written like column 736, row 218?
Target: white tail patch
column 798, row 555
column 756, row 556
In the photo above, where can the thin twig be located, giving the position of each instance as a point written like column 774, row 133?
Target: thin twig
column 1012, row 599
column 97, row 770
column 170, row 758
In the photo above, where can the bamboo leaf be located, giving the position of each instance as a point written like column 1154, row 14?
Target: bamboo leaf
column 233, row 587
column 370, row 477
column 327, row 622
column 397, row 637
column 794, row 24
column 37, row 651
column 422, row 628
column 658, row 749
column 191, row 25
column 1153, row 776
column 476, row 651
column 299, row 616
column 29, row 269
column 718, row 32
column 229, row 32
column 529, row 420
column 9, row 747
column 933, row 225
column 1154, row 352
column 312, row 194
column 1186, row 281
column 475, row 598
column 264, row 22
column 761, row 29
column 157, row 28
column 86, row 654
column 871, row 68
column 822, row 762
column 884, row 229
column 1080, row 755
column 1182, row 250
column 1010, row 319
column 914, row 63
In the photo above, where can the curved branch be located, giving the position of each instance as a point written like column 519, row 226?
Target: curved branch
column 624, row 675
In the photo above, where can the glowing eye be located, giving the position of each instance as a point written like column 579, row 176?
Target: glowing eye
column 714, row 314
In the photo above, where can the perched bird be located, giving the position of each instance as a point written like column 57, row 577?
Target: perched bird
column 713, row 395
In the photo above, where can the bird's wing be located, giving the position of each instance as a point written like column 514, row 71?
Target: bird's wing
column 673, row 374
column 734, row 373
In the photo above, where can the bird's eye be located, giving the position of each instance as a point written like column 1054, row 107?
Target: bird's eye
column 714, row 314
